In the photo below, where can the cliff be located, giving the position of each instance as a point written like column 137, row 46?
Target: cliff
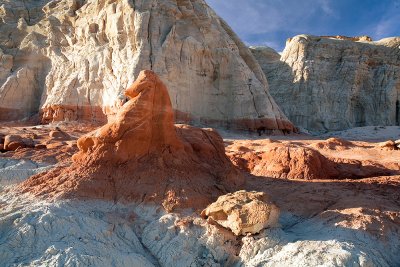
column 72, row 59
column 325, row 84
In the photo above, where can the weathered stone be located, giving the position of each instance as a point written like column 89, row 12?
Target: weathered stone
column 325, row 84
column 142, row 156
column 13, row 142
column 58, row 135
column 243, row 212
column 75, row 58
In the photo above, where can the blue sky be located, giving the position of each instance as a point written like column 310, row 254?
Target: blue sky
column 271, row 22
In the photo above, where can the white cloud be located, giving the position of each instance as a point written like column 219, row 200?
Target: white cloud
column 264, row 16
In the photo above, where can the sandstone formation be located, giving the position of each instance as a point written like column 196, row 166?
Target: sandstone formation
column 71, row 60
column 329, row 83
column 243, row 212
column 292, row 161
column 142, row 156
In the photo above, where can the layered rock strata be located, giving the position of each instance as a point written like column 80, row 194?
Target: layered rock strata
column 72, row 59
column 142, row 156
column 335, row 83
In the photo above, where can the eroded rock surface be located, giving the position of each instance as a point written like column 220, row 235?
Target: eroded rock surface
column 322, row 222
column 243, row 212
column 333, row 83
column 71, row 60
column 143, row 156
column 314, row 161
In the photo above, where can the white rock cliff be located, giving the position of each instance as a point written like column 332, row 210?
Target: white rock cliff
column 335, row 83
column 71, row 59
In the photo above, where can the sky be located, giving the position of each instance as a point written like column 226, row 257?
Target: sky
column 271, row 22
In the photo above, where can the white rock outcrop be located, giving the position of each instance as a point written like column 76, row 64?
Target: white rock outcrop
column 13, row 171
column 98, row 233
column 335, row 83
column 71, row 59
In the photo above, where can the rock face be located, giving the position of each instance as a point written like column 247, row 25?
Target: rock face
column 243, row 212
column 142, row 156
column 71, row 60
column 325, row 84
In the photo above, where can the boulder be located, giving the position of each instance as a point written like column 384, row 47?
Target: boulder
column 243, row 212
column 294, row 162
column 57, row 134
column 211, row 75
column 142, row 156
column 13, row 142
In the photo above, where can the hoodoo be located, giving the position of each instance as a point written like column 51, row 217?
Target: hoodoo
column 70, row 60
column 143, row 156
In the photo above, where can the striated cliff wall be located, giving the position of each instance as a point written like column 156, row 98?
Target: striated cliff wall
column 325, row 84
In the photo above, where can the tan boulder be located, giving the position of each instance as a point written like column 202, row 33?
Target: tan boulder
column 243, row 212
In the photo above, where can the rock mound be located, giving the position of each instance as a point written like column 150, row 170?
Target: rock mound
column 142, row 156
column 243, row 212
column 297, row 162
column 13, row 142
column 294, row 163
column 314, row 73
column 71, row 60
